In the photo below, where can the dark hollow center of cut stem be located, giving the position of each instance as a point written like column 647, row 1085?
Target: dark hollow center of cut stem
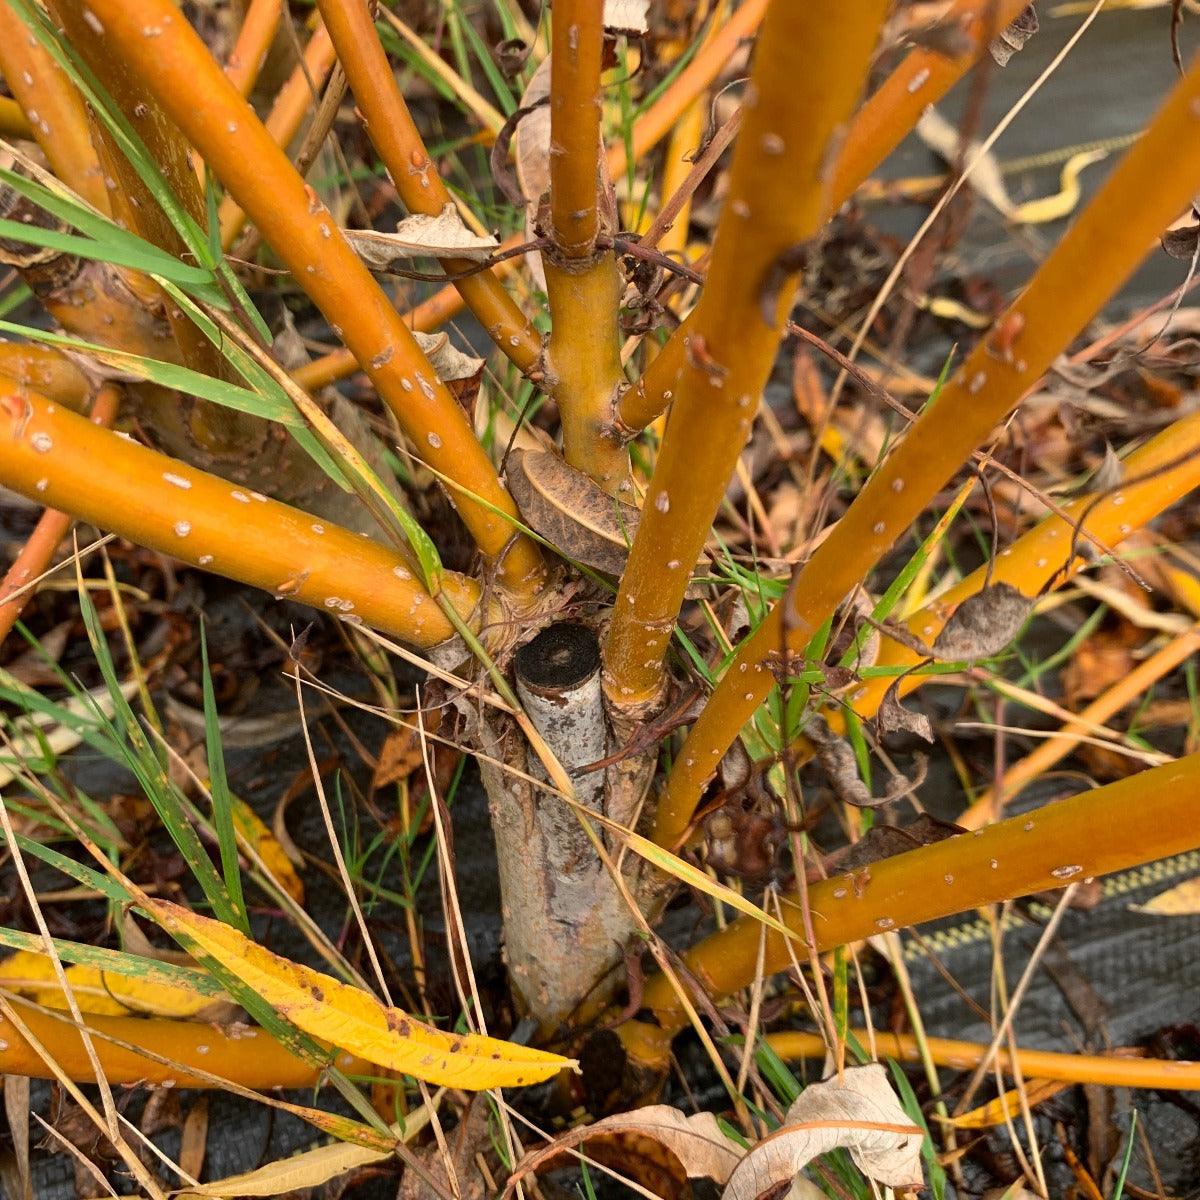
column 561, row 656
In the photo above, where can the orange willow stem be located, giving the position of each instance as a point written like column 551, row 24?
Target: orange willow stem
column 808, row 71
column 576, row 50
column 294, row 102
column 55, row 109
column 46, row 371
column 1097, row 254
column 1123, row 693
column 55, row 457
column 1118, row 1069
column 248, row 1057
column 177, row 68
column 1147, row 816
column 395, row 137
column 708, row 62
column 648, row 130
column 1038, row 557
column 877, row 129
column 253, row 44
column 48, row 533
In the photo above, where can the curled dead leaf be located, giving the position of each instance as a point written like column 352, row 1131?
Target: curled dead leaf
column 837, row 759
column 857, row 1112
column 695, row 1143
column 574, row 514
column 893, row 717
column 983, row 624
column 421, row 236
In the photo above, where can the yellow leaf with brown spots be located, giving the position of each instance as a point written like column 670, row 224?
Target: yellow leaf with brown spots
column 354, row 1020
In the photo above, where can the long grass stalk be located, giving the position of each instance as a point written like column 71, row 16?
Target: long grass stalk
column 176, row 67
column 1117, row 1069
column 808, row 72
column 1097, row 254
column 54, row 108
column 921, row 79
column 51, row 455
column 398, row 142
column 1136, row 820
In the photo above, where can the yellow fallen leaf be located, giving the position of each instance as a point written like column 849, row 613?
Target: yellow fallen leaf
column 354, row 1020
column 25, row 971
column 1183, row 900
column 311, row 1168
column 248, row 823
column 102, row 993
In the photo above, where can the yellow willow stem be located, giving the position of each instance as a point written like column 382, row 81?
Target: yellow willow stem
column 877, row 129
column 394, row 135
column 55, row 110
column 584, row 285
column 1132, row 688
column 1147, row 816
column 1118, row 1069
column 57, row 458
column 250, row 1058
column 1096, row 255
column 253, row 44
column 13, row 122
column 809, row 66
column 133, row 205
column 176, row 67
column 584, row 360
column 294, row 102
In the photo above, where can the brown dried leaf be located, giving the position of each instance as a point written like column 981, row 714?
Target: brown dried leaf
column 695, row 1142
column 858, row 1112
column 893, row 716
column 576, row 516
column 983, row 624
column 837, row 760
column 1013, row 38
column 421, row 236
column 886, row 841
column 1182, row 242
column 399, row 757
